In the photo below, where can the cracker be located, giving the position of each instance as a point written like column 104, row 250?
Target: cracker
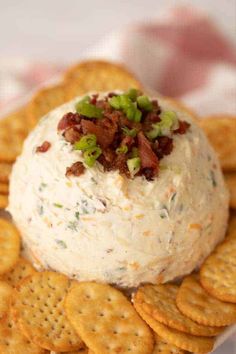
column 12, row 341
column 39, row 311
column 44, row 101
column 13, row 130
column 221, row 131
column 3, row 202
column 4, row 188
column 98, row 75
column 159, row 302
column 79, row 351
column 21, row 270
column 9, row 246
column 5, row 171
column 218, row 273
column 230, row 179
column 164, row 347
column 106, row 320
column 194, row 302
column 181, row 340
column 5, row 293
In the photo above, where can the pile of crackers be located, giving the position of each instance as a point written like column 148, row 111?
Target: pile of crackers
column 43, row 312
column 99, row 76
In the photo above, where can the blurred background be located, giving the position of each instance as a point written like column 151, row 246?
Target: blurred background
column 156, row 39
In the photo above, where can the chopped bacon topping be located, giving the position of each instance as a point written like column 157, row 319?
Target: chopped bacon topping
column 183, row 127
column 76, row 169
column 148, row 158
column 119, row 138
column 69, row 120
column 44, row 147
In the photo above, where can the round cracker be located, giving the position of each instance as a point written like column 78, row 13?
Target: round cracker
column 106, row 320
column 218, row 273
column 3, row 202
column 13, row 130
column 5, row 293
column 12, row 341
column 159, row 301
column 181, row 340
column 164, row 347
column 196, row 303
column 98, row 75
column 9, row 246
column 44, row 101
column 221, row 131
column 21, row 270
column 40, row 313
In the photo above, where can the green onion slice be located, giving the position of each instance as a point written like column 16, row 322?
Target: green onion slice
column 132, row 94
column 87, row 109
column 134, row 165
column 144, row 103
column 86, row 142
column 122, row 149
column 130, row 132
column 91, row 155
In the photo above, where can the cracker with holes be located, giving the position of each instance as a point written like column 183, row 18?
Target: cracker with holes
column 5, row 293
column 164, row 347
column 12, row 341
column 222, row 129
column 21, row 270
column 13, row 130
column 98, row 75
column 106, row 320
column 180, row 339
column 44, row 101
column 9, row 246
column 40, row 314
column 159, row 302
column 194, row 302
column 218, row 273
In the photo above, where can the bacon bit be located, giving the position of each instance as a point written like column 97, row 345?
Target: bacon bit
column 72, row 134
column 68, row 120
column 183, row 127
column 163, row 146
column 146, row 233
column 76, row 169
column 104, row 131
column 148, row 158
column 94, row 98
column 44, row 147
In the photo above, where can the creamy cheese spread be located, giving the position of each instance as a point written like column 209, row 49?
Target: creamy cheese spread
column 105, row 227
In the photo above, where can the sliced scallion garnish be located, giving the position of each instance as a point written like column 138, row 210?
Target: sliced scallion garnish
column 86, row 142
column 87, row 109
column 130, row 132
column 144, row 103
column 122, row 149
column 91, row 155
column 134, row 165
